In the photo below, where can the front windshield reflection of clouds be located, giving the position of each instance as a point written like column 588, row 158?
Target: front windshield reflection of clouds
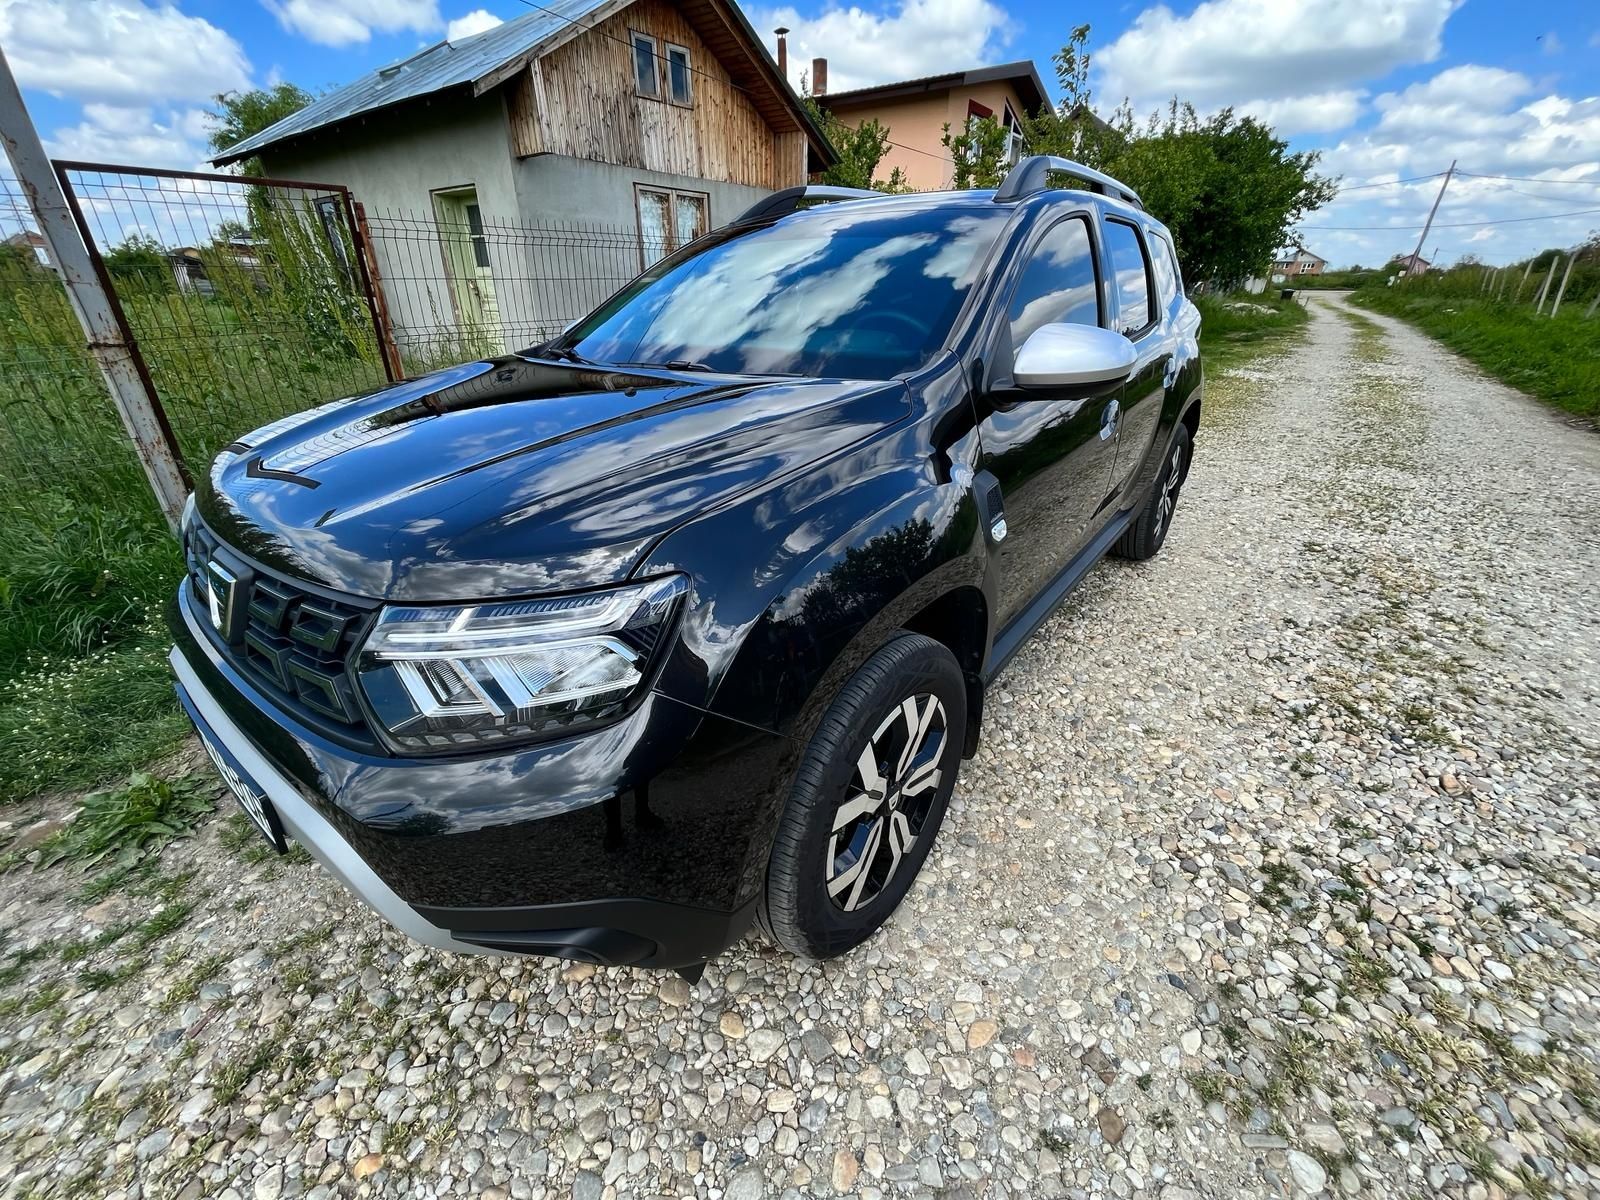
column 842, row 295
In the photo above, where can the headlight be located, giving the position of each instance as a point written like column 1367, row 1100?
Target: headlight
column 441, row 679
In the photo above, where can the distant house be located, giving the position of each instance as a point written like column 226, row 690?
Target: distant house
column 1290, row 262
column 32, row 242
column 663, row 118
column 192, row 267
column 1409, row 264
column 917, row 110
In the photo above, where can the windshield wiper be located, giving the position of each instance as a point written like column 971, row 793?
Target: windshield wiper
column 566, row 354
column 676, row 364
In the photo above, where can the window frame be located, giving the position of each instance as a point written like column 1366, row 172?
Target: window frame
column 635, row 36
column 1152, row 306
column 999, row 339
column 1014, row 143
column 688, row 74
column 673, row 245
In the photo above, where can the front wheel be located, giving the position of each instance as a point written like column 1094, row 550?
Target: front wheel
column 1148, row 532
column 868, row 799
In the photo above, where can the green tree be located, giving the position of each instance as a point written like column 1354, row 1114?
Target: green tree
column 861, row 148
column 979, row 154
column 238, row 115
column 139, row 263
column 1072, row 129
column 1227, row 186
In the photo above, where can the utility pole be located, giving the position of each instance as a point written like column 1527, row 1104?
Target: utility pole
column 119, row 362
column 1417, row 253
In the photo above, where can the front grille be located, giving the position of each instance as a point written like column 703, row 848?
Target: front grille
column 293, row 643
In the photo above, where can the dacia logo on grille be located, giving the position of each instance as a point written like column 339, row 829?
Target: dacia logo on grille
column 222, row 599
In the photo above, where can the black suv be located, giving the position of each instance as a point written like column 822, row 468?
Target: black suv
column 684, row 619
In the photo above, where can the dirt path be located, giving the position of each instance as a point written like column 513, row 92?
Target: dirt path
column 1275, row 875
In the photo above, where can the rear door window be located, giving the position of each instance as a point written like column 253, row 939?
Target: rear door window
column 1130, row 273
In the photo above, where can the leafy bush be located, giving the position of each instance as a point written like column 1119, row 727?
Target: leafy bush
column 129, row 822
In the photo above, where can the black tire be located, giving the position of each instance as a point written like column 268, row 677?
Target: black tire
column 1148, row 532
column 799, row 908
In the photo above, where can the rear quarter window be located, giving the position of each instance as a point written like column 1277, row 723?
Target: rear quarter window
column 1166, row 265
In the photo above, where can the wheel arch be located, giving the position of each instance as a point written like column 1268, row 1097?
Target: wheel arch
column 959, row 621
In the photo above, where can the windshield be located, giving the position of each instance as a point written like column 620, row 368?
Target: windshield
column 855, row 295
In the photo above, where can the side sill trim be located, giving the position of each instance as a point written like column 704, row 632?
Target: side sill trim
column 309, row 827
column 1029, row 619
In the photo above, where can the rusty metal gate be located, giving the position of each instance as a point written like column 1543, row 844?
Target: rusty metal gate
column 245, row 299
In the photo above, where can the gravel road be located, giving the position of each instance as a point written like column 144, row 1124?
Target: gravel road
column 1276, row 875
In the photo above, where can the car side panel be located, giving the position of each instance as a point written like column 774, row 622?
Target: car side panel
column 806, row 582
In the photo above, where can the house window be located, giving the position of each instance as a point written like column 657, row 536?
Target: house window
column 646, row 78
column 679, row 75
column 1013, row 128
column 669, row 219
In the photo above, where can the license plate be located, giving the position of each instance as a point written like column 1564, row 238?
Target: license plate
column 250, row 795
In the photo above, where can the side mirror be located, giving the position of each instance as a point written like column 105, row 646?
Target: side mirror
column 1073, row 356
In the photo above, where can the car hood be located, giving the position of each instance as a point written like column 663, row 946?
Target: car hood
column 513, row 476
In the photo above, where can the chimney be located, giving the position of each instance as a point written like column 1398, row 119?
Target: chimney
column 819, row 77
column 783, row 51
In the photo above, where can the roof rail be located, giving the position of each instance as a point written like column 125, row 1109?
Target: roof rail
column 786, row 201
column 1032, row 175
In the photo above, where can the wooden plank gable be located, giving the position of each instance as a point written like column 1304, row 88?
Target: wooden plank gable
column 580, row 100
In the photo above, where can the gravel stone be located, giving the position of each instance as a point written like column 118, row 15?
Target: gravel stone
column 1275, row 873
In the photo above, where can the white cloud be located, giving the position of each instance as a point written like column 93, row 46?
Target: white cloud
column 476, row 21
column 1317, row 113
column 1492, row 122
column 1551, row 43
column 135, row 134
column 349, row 22
column 119, row 51
column 1300, row 60
column 916, row 38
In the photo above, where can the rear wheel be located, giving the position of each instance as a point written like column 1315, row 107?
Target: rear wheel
column 868, row 799
column 1148, row 533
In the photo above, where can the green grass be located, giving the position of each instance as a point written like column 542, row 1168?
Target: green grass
column 78, row 721
column 1556, row 360
column 1238, row 327
column 86, row 559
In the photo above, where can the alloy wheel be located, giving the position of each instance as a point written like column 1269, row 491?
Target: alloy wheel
column 1169, row 491
column 887, row 802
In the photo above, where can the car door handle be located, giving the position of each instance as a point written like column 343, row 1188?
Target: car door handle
column 1108, row 420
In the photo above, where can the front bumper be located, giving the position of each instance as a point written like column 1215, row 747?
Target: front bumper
column 642, row 843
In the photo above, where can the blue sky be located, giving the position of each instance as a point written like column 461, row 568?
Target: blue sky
column 1387, row 89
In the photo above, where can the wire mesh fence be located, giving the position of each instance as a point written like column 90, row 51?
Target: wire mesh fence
column 247, row 300
column 460, row 284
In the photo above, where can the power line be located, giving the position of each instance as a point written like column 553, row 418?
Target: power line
column 1579, row 212
column 1534, row 179
column 1361, row 187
